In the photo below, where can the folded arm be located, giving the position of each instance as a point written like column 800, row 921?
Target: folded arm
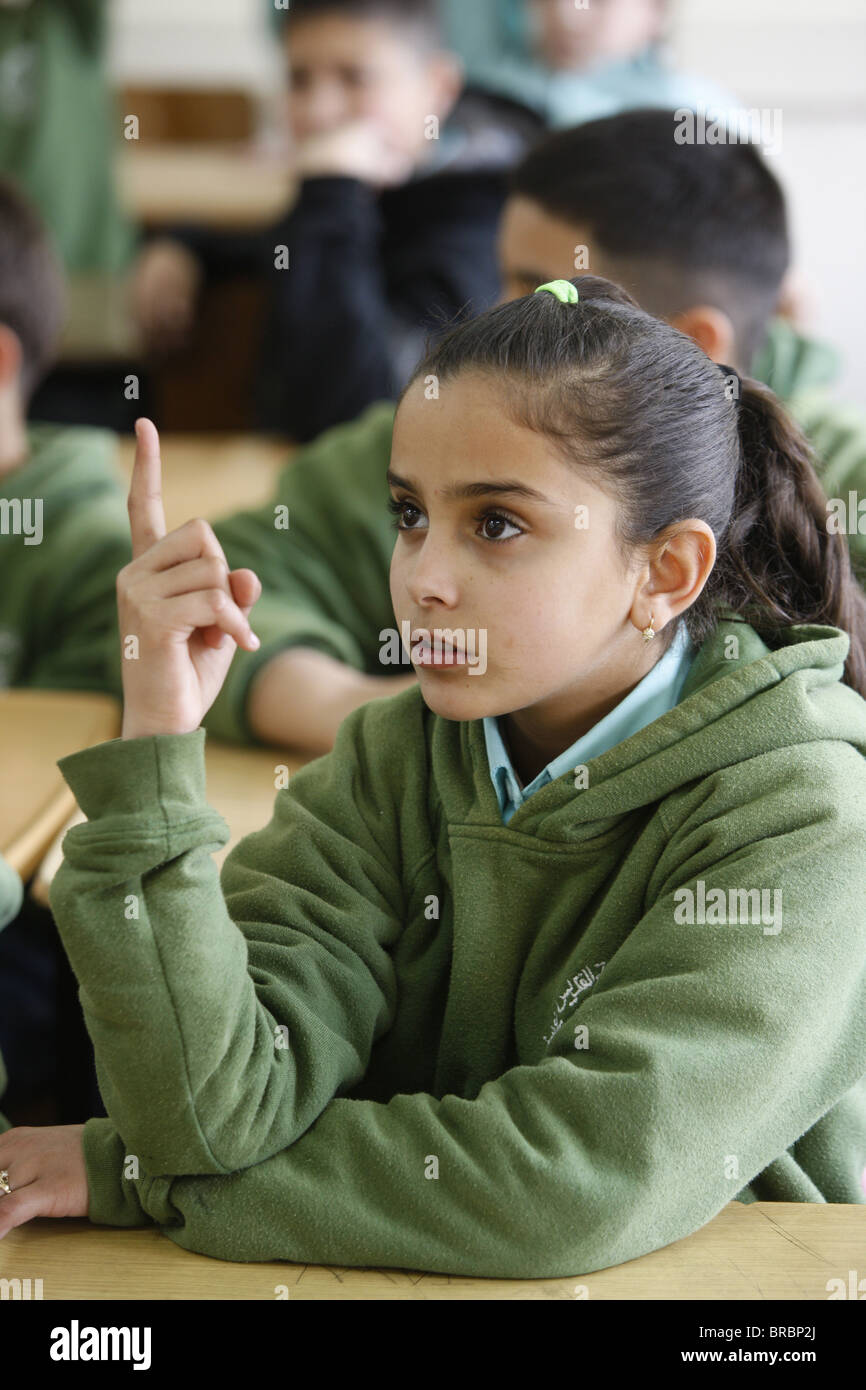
column 709, row 1050
column 223, row 1018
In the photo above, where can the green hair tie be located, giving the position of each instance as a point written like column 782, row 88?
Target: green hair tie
column 563, row 289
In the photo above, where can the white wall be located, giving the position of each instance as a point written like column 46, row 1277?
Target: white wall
column 192, row 42
column 809, row 60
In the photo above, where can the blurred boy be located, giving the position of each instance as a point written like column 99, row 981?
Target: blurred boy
column 63, row 523
column 64, row 535
column 394, row 225
column 697, row 234
column 574, row 62
column 58, row 131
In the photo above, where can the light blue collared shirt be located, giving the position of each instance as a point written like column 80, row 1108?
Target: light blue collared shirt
column 655, row 695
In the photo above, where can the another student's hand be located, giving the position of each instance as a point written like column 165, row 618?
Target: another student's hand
column 182, row 612
column 359, row 150
column 163, row 292
column 46, row 1172
column 301, row 696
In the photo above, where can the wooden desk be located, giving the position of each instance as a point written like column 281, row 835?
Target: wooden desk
column 36, row 728
column 223, row 186
column 764, row 1250
column 213, row 475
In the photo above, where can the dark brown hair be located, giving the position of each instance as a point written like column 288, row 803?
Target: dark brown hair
column 679, row 224
column 31, row 285
column 654, row 422
column 421, row 16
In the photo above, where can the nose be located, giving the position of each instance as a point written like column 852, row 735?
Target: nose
column 431, row 575
column 321, row 107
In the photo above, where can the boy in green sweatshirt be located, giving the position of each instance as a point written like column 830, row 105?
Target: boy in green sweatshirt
column 557, row 953
column 610, row 194
column 63, row 524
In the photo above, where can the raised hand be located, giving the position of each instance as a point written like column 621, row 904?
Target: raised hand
column 182, row 612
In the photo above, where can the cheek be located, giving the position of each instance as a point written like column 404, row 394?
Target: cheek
column 397, row 577
column 402, row 112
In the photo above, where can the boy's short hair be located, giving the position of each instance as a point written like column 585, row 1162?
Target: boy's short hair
column 31, row 285
column 689, row 224
column 421, row 16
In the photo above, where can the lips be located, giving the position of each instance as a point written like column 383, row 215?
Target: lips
column 428, row 654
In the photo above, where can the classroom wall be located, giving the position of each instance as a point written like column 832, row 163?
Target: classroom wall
column 808, row 60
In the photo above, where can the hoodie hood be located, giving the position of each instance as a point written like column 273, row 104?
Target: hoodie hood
column 732, row 708
column 790, row 364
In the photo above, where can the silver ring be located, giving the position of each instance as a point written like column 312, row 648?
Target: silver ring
column 5, row 1184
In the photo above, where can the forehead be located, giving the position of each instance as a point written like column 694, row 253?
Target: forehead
column 530, row 236
column 338, row 38
column 467, row 434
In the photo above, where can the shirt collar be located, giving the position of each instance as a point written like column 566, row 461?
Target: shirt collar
column 652, row 697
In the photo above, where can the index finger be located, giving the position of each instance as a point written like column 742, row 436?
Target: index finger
column 146, row 514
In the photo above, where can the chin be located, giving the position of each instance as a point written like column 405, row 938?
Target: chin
column 452, row 701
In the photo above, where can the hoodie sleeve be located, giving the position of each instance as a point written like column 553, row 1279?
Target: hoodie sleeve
column 79, row 644
column 225, row 1018
column 709, row 1050
column 11, row 893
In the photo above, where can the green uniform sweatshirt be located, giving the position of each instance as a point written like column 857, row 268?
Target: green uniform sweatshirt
column 400, row 1033
column 325, row 577
column 64, row 534
column 11, row 895
column 58, row 129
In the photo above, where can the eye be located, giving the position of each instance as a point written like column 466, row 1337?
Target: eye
column 356, row 77
column 399, row 508
column 499, row 519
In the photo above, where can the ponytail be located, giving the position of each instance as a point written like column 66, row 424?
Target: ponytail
column 778, row 563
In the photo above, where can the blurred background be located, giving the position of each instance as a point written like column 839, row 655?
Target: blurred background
column 134, row 123
column 807, row 59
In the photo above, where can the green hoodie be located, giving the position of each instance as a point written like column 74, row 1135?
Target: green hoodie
column 11, row 895
column 58, row 130
column 58, row 603
column 400, row 1033
column 325, row 579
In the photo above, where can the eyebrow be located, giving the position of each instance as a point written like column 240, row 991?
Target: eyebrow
column 458, row 491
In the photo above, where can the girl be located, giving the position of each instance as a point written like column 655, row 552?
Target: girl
column 555, row 954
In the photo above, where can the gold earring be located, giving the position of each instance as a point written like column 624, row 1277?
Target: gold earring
column 648, row 633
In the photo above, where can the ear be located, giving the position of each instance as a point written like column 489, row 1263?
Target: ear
column 447, row 77
column 676, row 573
column 711, row 329
column 10, row 356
